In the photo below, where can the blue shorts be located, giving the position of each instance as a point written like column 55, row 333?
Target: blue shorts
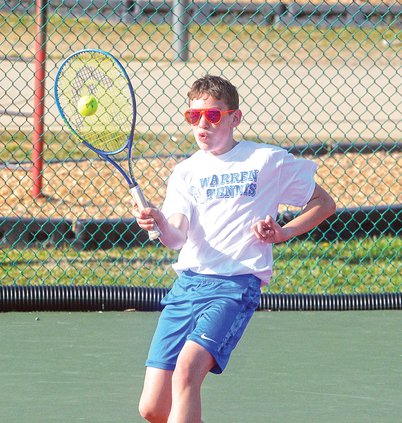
column 211, row 310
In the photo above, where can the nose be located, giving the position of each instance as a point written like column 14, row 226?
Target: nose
column 203, row 121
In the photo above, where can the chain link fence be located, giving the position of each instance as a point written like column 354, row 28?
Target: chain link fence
column 322, row 80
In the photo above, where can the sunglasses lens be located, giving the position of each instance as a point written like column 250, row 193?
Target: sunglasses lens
column 192, row 116
column 213, row 116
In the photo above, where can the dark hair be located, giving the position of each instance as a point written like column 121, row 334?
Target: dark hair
column 216, row 87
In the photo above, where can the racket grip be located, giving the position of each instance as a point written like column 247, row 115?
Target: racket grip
column 142, row 203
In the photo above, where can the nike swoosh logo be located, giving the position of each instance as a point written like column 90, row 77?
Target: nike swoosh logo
column 204, row 336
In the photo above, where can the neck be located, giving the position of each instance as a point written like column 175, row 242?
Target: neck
column 231, row 146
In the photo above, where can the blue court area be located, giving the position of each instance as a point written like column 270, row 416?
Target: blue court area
column 290, row 367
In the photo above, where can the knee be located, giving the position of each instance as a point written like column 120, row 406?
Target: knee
column 152, row 413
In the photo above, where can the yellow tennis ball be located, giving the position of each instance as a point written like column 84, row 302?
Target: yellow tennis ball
column 87, row 105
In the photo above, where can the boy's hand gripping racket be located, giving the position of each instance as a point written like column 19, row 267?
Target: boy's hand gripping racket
column 96, row 99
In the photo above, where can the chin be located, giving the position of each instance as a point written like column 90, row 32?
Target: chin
column 202, row 146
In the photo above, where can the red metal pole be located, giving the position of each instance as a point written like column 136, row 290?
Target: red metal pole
column 39, row 98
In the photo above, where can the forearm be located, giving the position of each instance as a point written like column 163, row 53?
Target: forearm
column 173, row 231
column 319, row 208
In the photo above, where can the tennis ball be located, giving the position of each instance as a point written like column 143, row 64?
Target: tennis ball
column 87, row 105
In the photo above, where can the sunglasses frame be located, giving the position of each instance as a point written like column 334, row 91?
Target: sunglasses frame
column 203, row 112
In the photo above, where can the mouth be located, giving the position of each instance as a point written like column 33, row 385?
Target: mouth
column 203, row 137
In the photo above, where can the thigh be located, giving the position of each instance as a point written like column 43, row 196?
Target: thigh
column 194, row 362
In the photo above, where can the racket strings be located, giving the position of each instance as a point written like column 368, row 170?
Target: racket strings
column 94, row 74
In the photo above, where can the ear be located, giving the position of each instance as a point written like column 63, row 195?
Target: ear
column 236, row 117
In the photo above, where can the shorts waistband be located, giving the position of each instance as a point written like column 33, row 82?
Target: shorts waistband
column 234, row 278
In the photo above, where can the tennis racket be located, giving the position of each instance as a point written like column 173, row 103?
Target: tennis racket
column 107, row 128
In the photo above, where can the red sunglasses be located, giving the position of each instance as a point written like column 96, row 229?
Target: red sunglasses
column 214, row 116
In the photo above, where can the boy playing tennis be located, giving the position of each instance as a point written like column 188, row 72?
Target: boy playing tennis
column 219, row 211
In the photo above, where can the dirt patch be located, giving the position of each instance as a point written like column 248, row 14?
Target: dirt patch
column 82, row 190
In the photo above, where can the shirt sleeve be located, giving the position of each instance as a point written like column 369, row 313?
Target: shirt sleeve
column 177, row 200
column 296, row 182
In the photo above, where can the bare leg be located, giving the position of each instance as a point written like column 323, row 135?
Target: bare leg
column 193, row 364
column 156, row 398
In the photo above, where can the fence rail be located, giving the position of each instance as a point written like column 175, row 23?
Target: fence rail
column 131, row 11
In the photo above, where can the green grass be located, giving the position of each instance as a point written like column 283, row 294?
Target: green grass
column 16, row 146
column 355, row 266
column 369, row 265
column 148, row 265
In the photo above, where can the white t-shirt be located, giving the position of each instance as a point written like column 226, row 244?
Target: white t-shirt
column 223, row 196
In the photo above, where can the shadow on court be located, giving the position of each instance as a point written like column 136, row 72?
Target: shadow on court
column 302, row 367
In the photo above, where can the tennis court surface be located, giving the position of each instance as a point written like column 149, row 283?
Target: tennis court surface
column 302, row 367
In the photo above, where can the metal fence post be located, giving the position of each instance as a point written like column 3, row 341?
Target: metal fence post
column 39, row 97
column 180, row 21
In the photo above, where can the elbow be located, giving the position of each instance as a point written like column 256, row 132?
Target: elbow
column 176, row 246
column 174, row 243
column 330, row 206
column 327, row 203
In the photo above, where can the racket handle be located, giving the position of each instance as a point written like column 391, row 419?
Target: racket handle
column 142, row 203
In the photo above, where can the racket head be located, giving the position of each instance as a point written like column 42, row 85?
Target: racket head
column 98, row 73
